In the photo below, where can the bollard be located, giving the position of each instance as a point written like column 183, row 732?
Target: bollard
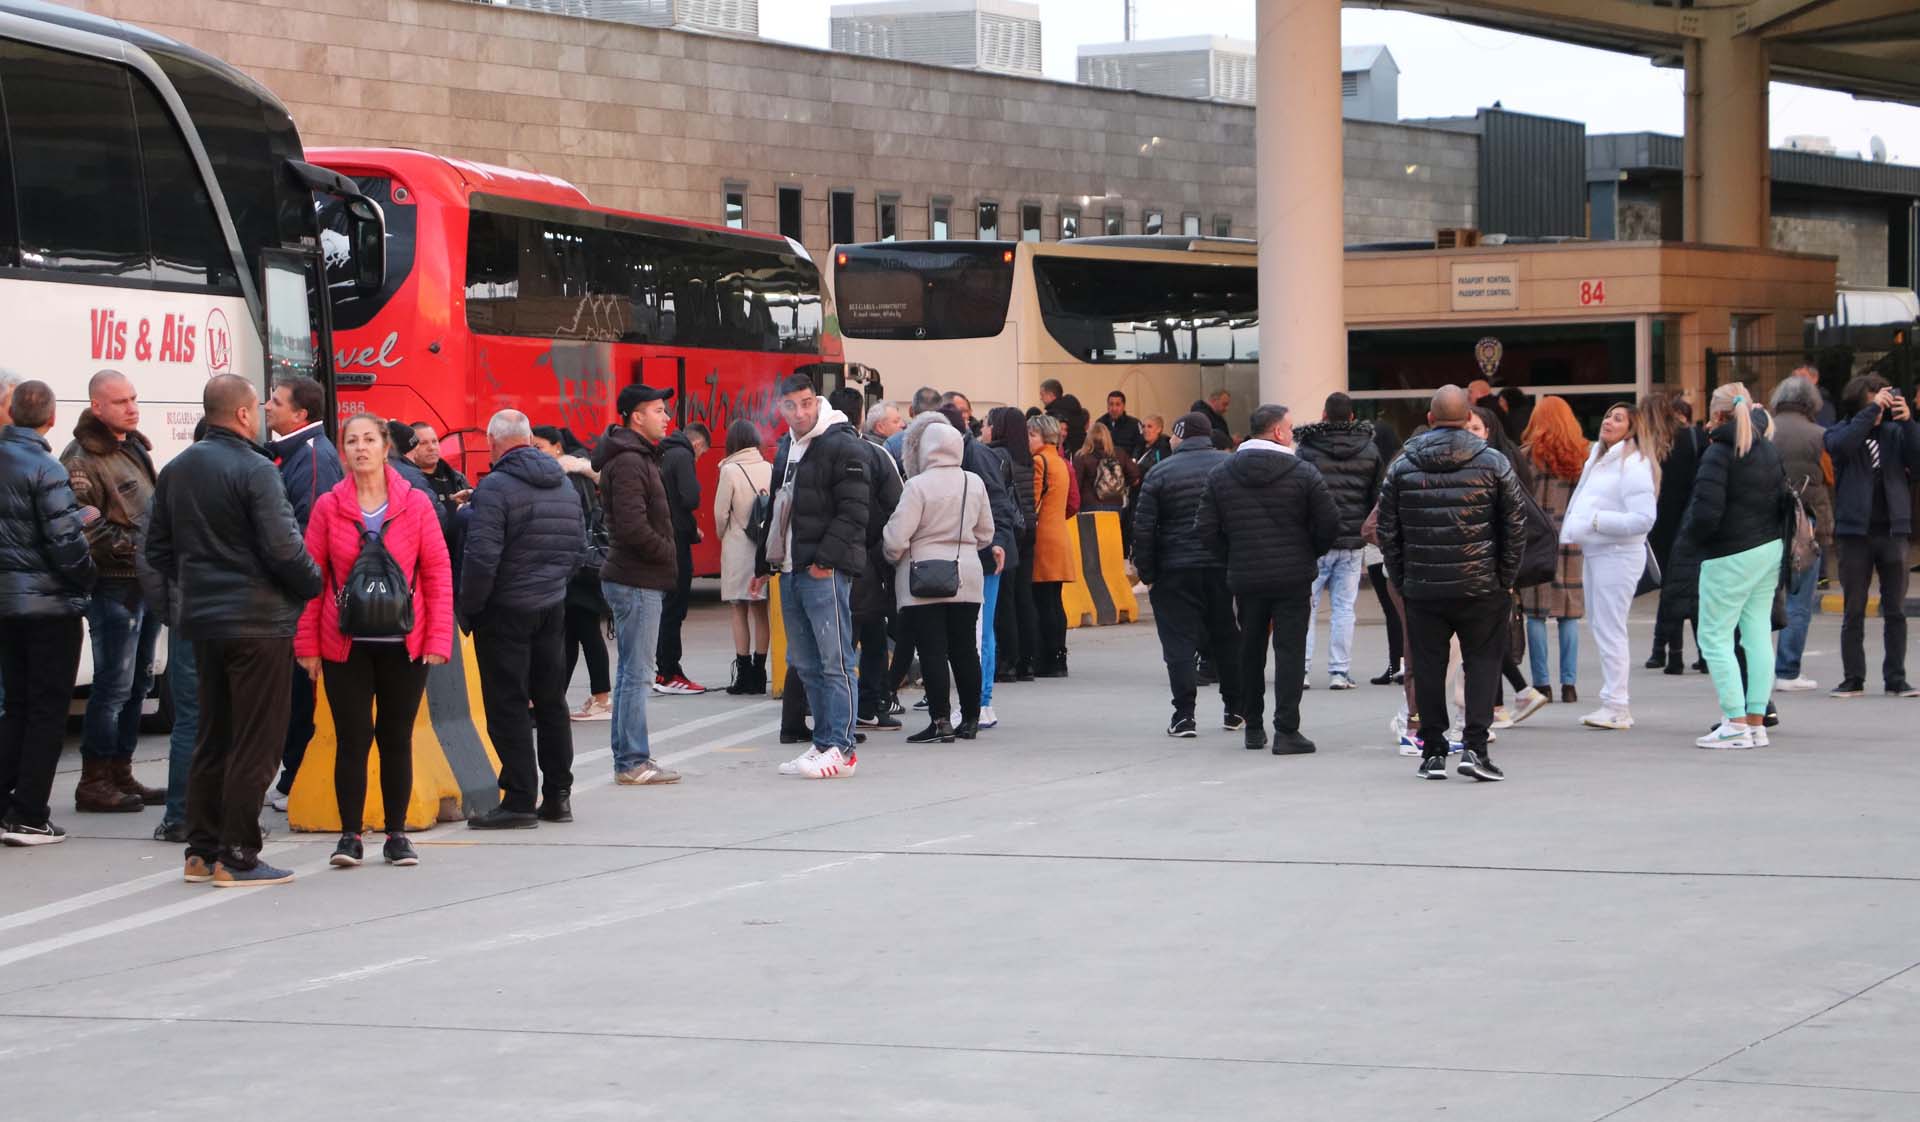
column 1102, row 595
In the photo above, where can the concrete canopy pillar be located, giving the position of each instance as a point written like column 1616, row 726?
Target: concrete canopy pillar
column 1728, row 166
column 1298, row 180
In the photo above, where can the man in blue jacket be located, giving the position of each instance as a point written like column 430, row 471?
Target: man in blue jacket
column 1876, row 458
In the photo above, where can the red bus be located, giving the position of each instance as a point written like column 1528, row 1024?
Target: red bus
column 509, row 289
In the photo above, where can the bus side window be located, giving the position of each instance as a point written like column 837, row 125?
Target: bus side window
column 9, row 222
column 76, row 162
column 187, row 246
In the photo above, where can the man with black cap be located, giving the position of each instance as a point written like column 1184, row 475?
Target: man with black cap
column 400, row 444
column 642, row 567
column 1192, row 609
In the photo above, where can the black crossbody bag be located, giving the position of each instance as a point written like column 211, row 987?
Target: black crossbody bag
column 940, row 580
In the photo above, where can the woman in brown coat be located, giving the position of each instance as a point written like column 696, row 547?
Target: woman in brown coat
column 1052, row 560
column 1557, row 452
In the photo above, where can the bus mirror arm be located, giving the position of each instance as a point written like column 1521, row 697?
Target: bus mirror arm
column 366, row 225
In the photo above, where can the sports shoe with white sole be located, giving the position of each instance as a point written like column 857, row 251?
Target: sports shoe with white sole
column 277, row 800
column 1410, row 745
column 1502, row 718
column 1527, row 703
column 1339, row 681
column 830, row 764
column 792, row 767
column 1606, row 717
column 988, row 718
column 16, row 833
column 1727, row 734
column 1794, row 685
column 1476, row 765
column 646, row 773
column 1182, row 728
column 593, row 709
column 1760, row 737
column 1432, row 767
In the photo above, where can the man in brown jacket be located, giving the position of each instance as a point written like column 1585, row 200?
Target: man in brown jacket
column 640, row 569
column 112, row 471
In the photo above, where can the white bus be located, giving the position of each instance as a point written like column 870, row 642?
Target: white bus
column 157, row 218
column 1164, row 319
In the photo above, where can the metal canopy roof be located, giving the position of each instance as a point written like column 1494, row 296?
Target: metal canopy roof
column 1868, row 48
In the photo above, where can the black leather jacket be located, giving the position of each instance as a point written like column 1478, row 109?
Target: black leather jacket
column 1274, row 517
column 223, row 532
column 46, row 569
column 1453, row 518
column 1163, row 535
column 831, row 494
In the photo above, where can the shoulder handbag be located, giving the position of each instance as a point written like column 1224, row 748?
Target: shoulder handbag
column 375, row 601
column 940, row 580
column 759, row 514
column 1650, row 576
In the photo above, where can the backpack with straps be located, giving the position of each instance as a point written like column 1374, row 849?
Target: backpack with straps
column 375, row 601
column 759, row 514
column 1109, row 482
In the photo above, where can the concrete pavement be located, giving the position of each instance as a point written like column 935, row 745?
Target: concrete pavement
column 1074, row 917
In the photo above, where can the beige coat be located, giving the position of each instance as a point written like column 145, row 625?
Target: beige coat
column 743, row 476
column 943, row 515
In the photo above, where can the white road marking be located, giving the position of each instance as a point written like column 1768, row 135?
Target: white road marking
column 714, row 745
column 102, row 895
column 679, row 730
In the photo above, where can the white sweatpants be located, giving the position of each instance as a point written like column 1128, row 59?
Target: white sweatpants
column 1610, row 577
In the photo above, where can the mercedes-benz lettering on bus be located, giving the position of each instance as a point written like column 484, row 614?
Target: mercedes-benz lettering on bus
column 1163, row 319
column 508, row 289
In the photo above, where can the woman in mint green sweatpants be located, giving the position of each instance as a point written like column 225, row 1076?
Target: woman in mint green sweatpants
column 1737, row 591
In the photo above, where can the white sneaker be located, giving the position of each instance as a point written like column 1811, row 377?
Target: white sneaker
column 1760, row 738
column 1607, row 717
column 1502, row 718
column 1529, row 702
column 988, row 718
column 277, row 801
column 793, row 766
column 1409, row 746
column 1795, row 685
column 1728, row 734
column 829, row 764
column 1339, row 681
column 593, row 709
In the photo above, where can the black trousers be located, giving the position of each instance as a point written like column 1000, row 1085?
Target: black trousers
column 673, row 613
column 901, row 666
column 1193, row 612
column 245, row 692
column 293, row 749
column 1480, row 623
column 870, row 629
column 1281, row 621
column 518, row 654
column 1861, row 560
column 1026, row 612
column 586, row 635
column 39, row 660
column 1053, row 620
column 1377, row 576
column 943, row 634
column 1670, row 629
column 374, row 697
column 793, row 705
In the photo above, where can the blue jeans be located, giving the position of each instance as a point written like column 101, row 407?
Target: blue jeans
column 123, row 639
column 989, row 649
column 1793, row 641
column 819, row 622
column 1340, row 571
column 1569, row 650
column 183, row 681
column 636, row 631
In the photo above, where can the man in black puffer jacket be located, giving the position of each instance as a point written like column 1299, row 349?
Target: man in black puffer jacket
column 1453, row 529
column 1192, row 609
column 1343, row 448
column 1270, row 512
column 46, row 576
column 222, row 531
column 525, row 538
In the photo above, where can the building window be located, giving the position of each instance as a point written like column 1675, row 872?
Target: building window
column 887, row 211
column 1153, row 222
column 1190, row 224
column 734, row 210
column 790, row 213
column 1223, row 225
column 1350, row 84
column 1116, row 222
column 989, row 222
column 840, row 218
column 1069, row 223
column 942, row 219
column 1029, row 222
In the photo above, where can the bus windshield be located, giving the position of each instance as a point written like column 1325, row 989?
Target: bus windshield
column 1113, row 310
column 923, row 290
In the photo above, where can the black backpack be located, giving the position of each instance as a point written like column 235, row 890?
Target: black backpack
column 599, row 537
column 375, row 600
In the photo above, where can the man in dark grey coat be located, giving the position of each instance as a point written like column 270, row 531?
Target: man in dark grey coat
column 525, row 538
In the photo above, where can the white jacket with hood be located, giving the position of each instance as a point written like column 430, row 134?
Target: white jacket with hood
column 1613, row 507
column 943, row 513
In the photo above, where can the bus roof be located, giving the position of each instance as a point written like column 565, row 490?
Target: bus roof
column 149, row 41
column 471, row 177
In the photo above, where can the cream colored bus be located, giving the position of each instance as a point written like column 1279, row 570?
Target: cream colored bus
column 1165, row 320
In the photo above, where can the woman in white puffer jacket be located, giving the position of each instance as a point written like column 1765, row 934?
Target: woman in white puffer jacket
column 1609, row 517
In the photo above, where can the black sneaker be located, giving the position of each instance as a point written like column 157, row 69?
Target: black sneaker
column 1432, row 767
column 886, row 722
column 1256, row 738
column 556, row 807
column 894, row 707
column 1291, row 744
column 500, row 818
column 801, row 735
column 1476, row 765
column 921, row 705
column 1183, row 728
column 347, row 853
column 1233, row 722
column 1851, row 687
column 1900, row 687
column 17, row 833
column 173, row 833
column 1700, row 665
column 399, row 851
column 937, row 732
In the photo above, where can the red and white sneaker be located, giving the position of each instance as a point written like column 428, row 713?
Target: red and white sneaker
column 793, row 766
column 830, row 764
column 679, row 684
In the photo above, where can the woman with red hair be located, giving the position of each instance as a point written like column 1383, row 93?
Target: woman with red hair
column 1557, row 451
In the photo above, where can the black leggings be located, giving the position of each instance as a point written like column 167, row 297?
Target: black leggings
column 585, row 632
column 943, row 633
column 1377, row 575
column 374, row 696
column 1053, row 619
column 1016, row 622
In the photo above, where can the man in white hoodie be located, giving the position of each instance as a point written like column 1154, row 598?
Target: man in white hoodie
column 817, row 542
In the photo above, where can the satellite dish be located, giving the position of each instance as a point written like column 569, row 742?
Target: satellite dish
column 1879, row 149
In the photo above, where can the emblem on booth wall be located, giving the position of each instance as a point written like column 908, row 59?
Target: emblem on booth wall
column 1487, row 353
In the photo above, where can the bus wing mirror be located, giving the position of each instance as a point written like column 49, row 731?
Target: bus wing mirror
column 366, row 230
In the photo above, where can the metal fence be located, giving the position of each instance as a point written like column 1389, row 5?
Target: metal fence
column 1762, row 370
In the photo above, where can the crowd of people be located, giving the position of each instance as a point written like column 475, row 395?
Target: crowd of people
column 930, row 545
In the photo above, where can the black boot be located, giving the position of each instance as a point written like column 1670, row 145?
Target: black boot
column 1024, row 671
column 968, row 728
column 1676, row 661
column 1658, row 658
column 742, row 676
column 1061, row 664
column 759, row 674
column 940, row 731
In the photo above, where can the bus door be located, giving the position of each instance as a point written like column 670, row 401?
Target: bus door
column 666, row 372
